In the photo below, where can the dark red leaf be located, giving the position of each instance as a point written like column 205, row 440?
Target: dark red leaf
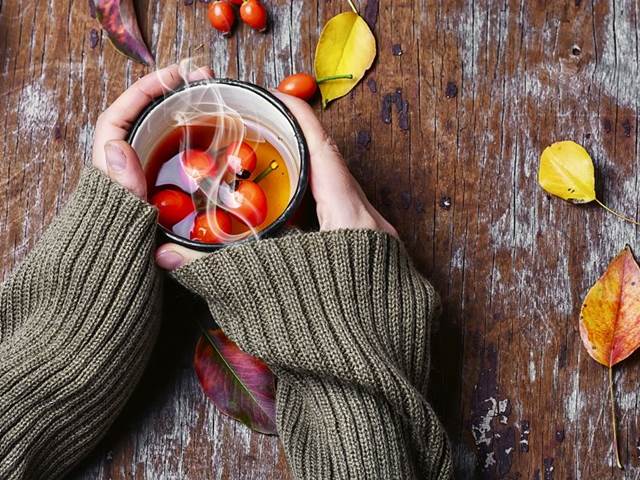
column 239, row 384
column 118, row 19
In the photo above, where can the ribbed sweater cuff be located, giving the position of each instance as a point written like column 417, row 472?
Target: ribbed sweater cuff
column 76, row 327
column 343, row 319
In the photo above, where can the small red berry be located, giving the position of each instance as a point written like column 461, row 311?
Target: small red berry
column 172, row 205
column 301, row 85
column 249, row 203
column 241, row 159
column 211, row 227
column 197, row 163
column 222, row 16
column 253, row 13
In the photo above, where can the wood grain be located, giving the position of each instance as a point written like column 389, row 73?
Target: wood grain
column 445, row 135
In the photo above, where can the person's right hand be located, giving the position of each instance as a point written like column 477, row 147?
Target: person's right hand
column 340, row 201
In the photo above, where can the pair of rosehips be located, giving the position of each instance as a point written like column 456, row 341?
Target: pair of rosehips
column 222, row 15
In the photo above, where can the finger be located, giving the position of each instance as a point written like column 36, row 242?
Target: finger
column 115, row 121
column 171, row 256
column 330, row 178
column 202, row 73
column 124, row 167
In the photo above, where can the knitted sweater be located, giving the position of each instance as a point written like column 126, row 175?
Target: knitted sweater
column 341, row 317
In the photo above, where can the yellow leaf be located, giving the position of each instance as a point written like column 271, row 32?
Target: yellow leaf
column 346, row 46
column 566, row 171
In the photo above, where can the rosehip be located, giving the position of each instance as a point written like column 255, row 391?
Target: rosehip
column 222, row 16
column 301, row 85
column 253, row 13
column 210, row 226
column 198, row 163
column 305, row 86
column 249, row 203
column 241, row 159
column 172, row 205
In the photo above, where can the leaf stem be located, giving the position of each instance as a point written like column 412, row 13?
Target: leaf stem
column 613, row 419
column 353, row 7
column 270, row 168
column 333, row 77
column 617, row 214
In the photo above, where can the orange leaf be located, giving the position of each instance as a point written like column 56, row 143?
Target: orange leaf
column 610, row 315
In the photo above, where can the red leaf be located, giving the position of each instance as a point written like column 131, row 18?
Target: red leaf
column 118, row 19
column 239, row 384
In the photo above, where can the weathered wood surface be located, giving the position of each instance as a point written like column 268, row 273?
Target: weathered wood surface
column 445, row 135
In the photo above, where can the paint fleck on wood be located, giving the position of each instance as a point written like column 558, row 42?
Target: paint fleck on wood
column 371, row 13
column 524, row 436
column 373, row 87
column 93, row 38
column 548, row 468
column 445, row 202
column 363, row 139
column 396, row 49
column 452, row 90
column 405, row 200
column 387, row 102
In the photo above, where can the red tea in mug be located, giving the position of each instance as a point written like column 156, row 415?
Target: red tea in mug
column 218, row 179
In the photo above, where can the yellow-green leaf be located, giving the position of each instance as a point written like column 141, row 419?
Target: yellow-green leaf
column 566, row 171
column 346, row 46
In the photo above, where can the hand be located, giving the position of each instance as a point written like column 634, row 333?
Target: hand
column 340, row 201
column 111, row 153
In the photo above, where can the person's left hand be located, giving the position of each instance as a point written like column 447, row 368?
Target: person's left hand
column 111, row 153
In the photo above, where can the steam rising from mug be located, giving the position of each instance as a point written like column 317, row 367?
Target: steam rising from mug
column 195, row 108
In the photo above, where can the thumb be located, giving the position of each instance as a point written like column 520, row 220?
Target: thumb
column 171, row 256
column 123, row 167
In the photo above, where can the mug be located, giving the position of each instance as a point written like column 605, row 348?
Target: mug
column 246, row 101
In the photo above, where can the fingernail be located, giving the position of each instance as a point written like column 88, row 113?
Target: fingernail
column 114, row 155
column 169, row 259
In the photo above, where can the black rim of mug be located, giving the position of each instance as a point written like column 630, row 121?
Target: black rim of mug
column 301, row 187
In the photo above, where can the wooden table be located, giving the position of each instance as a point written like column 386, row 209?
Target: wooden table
column 445, row 135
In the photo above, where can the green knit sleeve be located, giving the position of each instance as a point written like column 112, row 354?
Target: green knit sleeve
column 76, row 327
column 343, row 319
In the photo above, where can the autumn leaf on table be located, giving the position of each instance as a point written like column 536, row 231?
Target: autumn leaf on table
column 239, row 384
column 566, row 171
column 610, row 319
column 346, row 46
column 118, row 20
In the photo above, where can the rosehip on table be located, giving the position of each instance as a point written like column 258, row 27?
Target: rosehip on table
column 253, row 13
column 222, row 16
column 305, row 86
